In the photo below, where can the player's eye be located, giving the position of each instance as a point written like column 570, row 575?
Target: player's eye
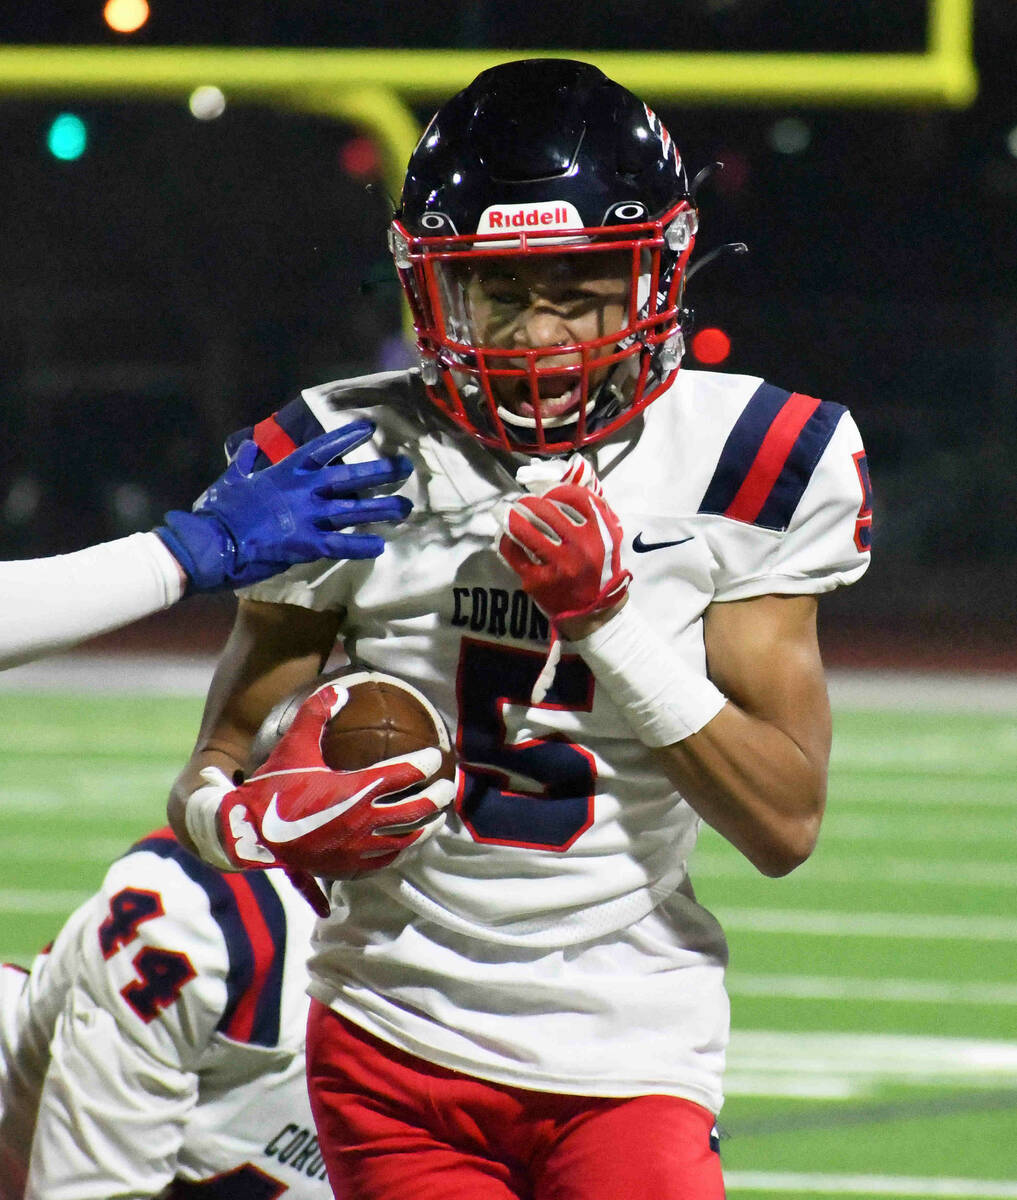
column 506, row 292
column 576, row 295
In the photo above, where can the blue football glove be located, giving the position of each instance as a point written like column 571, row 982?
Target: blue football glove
column 250, row 525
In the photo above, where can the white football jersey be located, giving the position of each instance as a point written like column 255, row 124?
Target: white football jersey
column 158, row 1047
column 548, row 936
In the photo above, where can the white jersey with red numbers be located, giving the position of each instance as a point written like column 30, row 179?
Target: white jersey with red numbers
column 158, row 1047
column 548, row 937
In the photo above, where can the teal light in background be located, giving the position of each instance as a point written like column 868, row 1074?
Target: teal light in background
column 67, row 137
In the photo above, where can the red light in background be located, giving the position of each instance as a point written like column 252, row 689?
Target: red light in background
column 360, row 158
column 711, row 346
column 735, row 174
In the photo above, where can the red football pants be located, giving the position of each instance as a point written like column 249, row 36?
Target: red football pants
column 394, row 1127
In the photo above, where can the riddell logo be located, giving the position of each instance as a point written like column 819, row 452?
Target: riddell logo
column 549, row 214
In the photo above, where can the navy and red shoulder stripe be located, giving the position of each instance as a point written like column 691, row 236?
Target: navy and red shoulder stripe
column 278, row 435
column 769, row 457
column 250, row 914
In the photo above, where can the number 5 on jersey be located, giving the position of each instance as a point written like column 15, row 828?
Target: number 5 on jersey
column 536, row 793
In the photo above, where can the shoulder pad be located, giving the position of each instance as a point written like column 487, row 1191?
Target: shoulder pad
column 278, row 435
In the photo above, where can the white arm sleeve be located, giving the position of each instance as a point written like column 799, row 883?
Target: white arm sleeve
column 49, row 604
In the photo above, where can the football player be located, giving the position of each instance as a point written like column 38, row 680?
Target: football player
column 157, row 1048
column 246, row 526
column 608, row 587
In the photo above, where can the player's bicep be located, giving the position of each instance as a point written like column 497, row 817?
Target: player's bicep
column 272, row 650
column 764, row 655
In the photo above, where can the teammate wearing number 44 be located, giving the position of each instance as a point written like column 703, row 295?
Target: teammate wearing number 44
column 608, row 588
column 157, row 1047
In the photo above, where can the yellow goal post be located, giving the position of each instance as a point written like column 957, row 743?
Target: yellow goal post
column 375, row 89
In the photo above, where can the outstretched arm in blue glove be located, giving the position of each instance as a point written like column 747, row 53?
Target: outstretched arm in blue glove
column 246, row 527
column 250, row 525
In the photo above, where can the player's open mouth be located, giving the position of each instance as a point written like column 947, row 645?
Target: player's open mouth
column 557, row 406
column 556, row 399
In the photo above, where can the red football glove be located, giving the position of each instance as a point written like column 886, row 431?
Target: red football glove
column 565, row 546
column 296, row 812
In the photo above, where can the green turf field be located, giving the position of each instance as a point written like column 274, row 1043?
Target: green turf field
column 874, row 991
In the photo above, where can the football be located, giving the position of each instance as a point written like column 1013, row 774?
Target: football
column 383, row 717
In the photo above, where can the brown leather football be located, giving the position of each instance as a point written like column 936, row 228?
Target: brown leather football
column 382, row 718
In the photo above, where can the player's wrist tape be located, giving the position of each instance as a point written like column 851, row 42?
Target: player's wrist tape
column 662, row 697
column 201, row 818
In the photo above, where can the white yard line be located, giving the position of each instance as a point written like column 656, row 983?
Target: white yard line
column 889, row 991
column 880, row 1057
column 176, row 675
column 793, row 1087
column 78, row 850
column 853, row 1066
column 169, row 675
column 787, row 1182
column 898, row 824
column 825, row 868
column 929, row 691
column 39, row 903
column 841, row 1066
column 915, row 793
column 922, row 926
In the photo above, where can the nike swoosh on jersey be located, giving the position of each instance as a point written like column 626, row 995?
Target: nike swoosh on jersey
column 642, row 547
column 277, row 829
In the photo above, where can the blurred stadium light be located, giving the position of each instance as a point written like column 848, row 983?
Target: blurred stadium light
column 711, row 346
column 67, row 137
column 125, row 16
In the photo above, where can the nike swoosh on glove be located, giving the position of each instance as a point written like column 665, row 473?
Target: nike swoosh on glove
column 296, row 812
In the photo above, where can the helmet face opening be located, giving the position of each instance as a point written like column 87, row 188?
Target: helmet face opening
column 547, row 309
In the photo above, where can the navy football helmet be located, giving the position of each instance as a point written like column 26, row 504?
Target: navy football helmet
column 545, row 179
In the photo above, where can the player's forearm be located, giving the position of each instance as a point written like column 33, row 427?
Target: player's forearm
column 749, row 755
column 50, row 604
column 752, row 783
column 272, row 650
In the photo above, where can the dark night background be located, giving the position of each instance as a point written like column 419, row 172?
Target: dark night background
column 183, row 277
